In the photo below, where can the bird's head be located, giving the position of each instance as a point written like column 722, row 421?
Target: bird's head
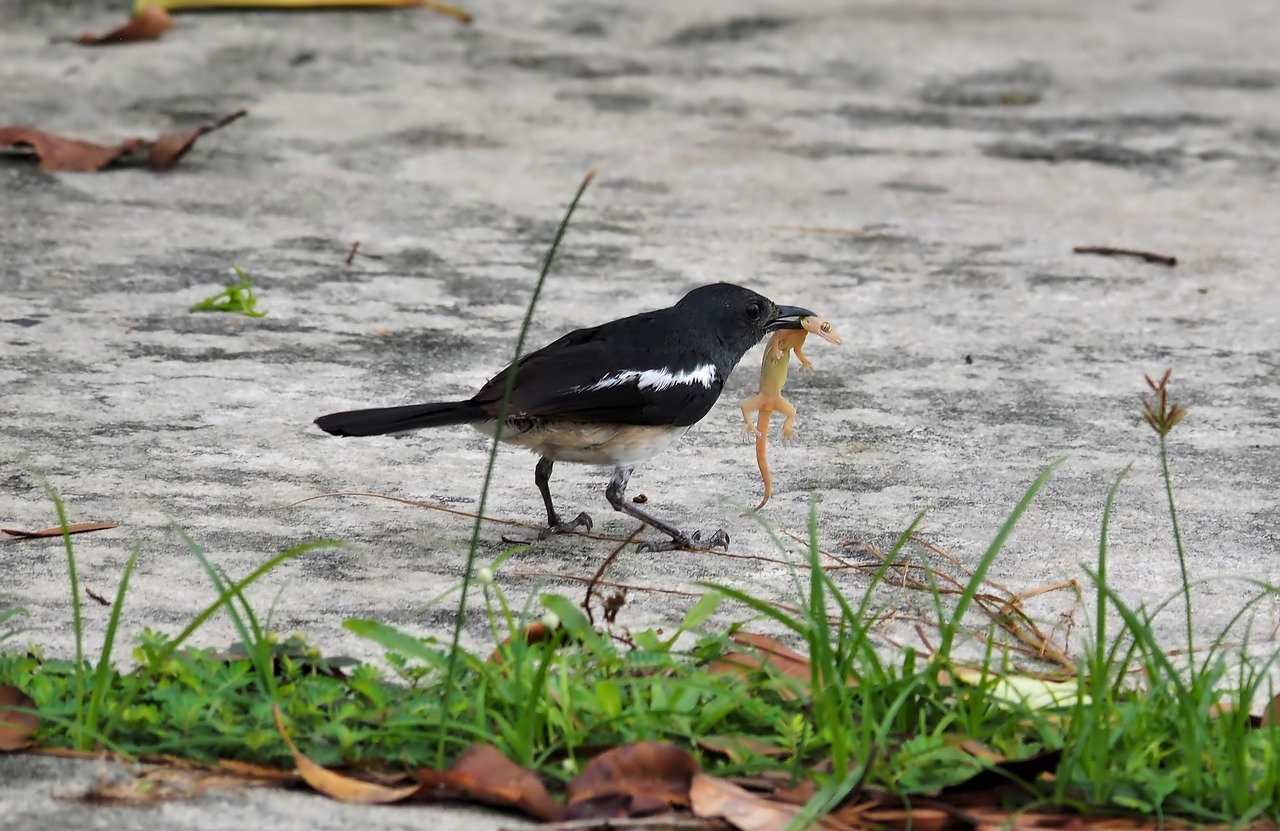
column 739, row 317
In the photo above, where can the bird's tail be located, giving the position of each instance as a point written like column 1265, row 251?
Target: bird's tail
column 382, row 420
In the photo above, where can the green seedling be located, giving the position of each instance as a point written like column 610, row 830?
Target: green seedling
column 237, row 299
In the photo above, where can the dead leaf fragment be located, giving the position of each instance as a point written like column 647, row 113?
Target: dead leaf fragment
column 1271, row 715
column 335, row 785
column 533, row 633
column 56, row 531
column 165, row 783
column 922, row 818
column 258, row 5
column 148, row 23
column 170, row 147
column 713, row 798
column 736, row 748
column 632, row 780
column 17, row 729
column 65, row 154
column 484, row 774
column 59, row 153
column 767, row 652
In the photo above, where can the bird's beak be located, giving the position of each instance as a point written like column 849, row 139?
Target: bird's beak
column 788, row 317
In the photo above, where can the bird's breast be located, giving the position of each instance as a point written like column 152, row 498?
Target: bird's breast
column 591, row 444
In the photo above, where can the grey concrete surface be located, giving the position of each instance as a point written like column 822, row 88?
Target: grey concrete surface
column 41, row 793
column 916, row 171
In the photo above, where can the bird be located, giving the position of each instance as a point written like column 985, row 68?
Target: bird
column 612, row 395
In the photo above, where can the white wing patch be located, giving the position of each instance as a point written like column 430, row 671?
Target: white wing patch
column 657, row 379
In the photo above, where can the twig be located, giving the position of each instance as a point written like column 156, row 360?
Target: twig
column 1108, row 251
column 595, row 578
column 515, row 523
column 871, row 233
column 351, row 255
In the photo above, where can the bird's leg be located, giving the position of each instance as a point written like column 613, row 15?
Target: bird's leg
column 679, row 541
column 542, row 477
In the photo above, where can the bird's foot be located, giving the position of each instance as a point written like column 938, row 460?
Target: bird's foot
column 696, row 542
column 582, row 520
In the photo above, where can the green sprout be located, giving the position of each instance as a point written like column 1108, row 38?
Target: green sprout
column 238, row 298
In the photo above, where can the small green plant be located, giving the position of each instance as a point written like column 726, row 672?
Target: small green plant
column 237, row 299
column 10, row 616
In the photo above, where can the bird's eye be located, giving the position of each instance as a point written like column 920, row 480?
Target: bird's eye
column 753, row 311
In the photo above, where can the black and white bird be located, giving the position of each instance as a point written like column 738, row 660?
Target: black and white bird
column 615, row 395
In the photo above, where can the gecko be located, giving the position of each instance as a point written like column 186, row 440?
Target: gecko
column 773, row 375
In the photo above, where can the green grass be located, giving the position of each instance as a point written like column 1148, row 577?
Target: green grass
column 1134, row 730
column 1143, row 733
column 237, row 298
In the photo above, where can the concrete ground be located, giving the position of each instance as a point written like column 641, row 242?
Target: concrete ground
column 917, row 172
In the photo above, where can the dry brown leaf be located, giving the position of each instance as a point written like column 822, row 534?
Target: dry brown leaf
column 170, row 147
column 973, row 747
column 483, row 774
column 713, row 798
column 56, row 531
column 796, row 795
column 65, row 154
column 768, row 652
column 533, row 633
column 75, row 156
column 149, row 23
column 250, row 5
column 778, row 653
column 736, row 748
column 337, row 786
column 1271, row 715
column 17, row 730
column 632, row 780
column 924, row 819
column 167, row 784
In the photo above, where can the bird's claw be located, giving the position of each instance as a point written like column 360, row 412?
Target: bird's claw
column 582, row 520
column 694, row 542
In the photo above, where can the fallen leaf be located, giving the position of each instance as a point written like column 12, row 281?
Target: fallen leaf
column 632, row 780
column 923, row 819
column 533, row 633
column 1271, row 715
column 973, row 747
column 337, row 786
column 796, row 795
column 736, row 748
column 170, row 147
column 56, row 531
column 64, row 154
column 17, row 729
column 768, row 652
column 433, row 5
column 147, row 23
column 484, row 774
column 167, row 784
column 75, row 156
column 713, row 798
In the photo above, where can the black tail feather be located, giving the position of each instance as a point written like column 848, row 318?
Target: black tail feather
column 382, row 420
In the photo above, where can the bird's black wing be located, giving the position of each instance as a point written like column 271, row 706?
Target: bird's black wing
column 607, row 376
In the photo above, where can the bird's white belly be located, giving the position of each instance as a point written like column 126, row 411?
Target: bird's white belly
column 592, row 444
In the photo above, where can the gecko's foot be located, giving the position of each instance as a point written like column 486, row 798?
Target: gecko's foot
column 695, row 542
column 582, row 520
